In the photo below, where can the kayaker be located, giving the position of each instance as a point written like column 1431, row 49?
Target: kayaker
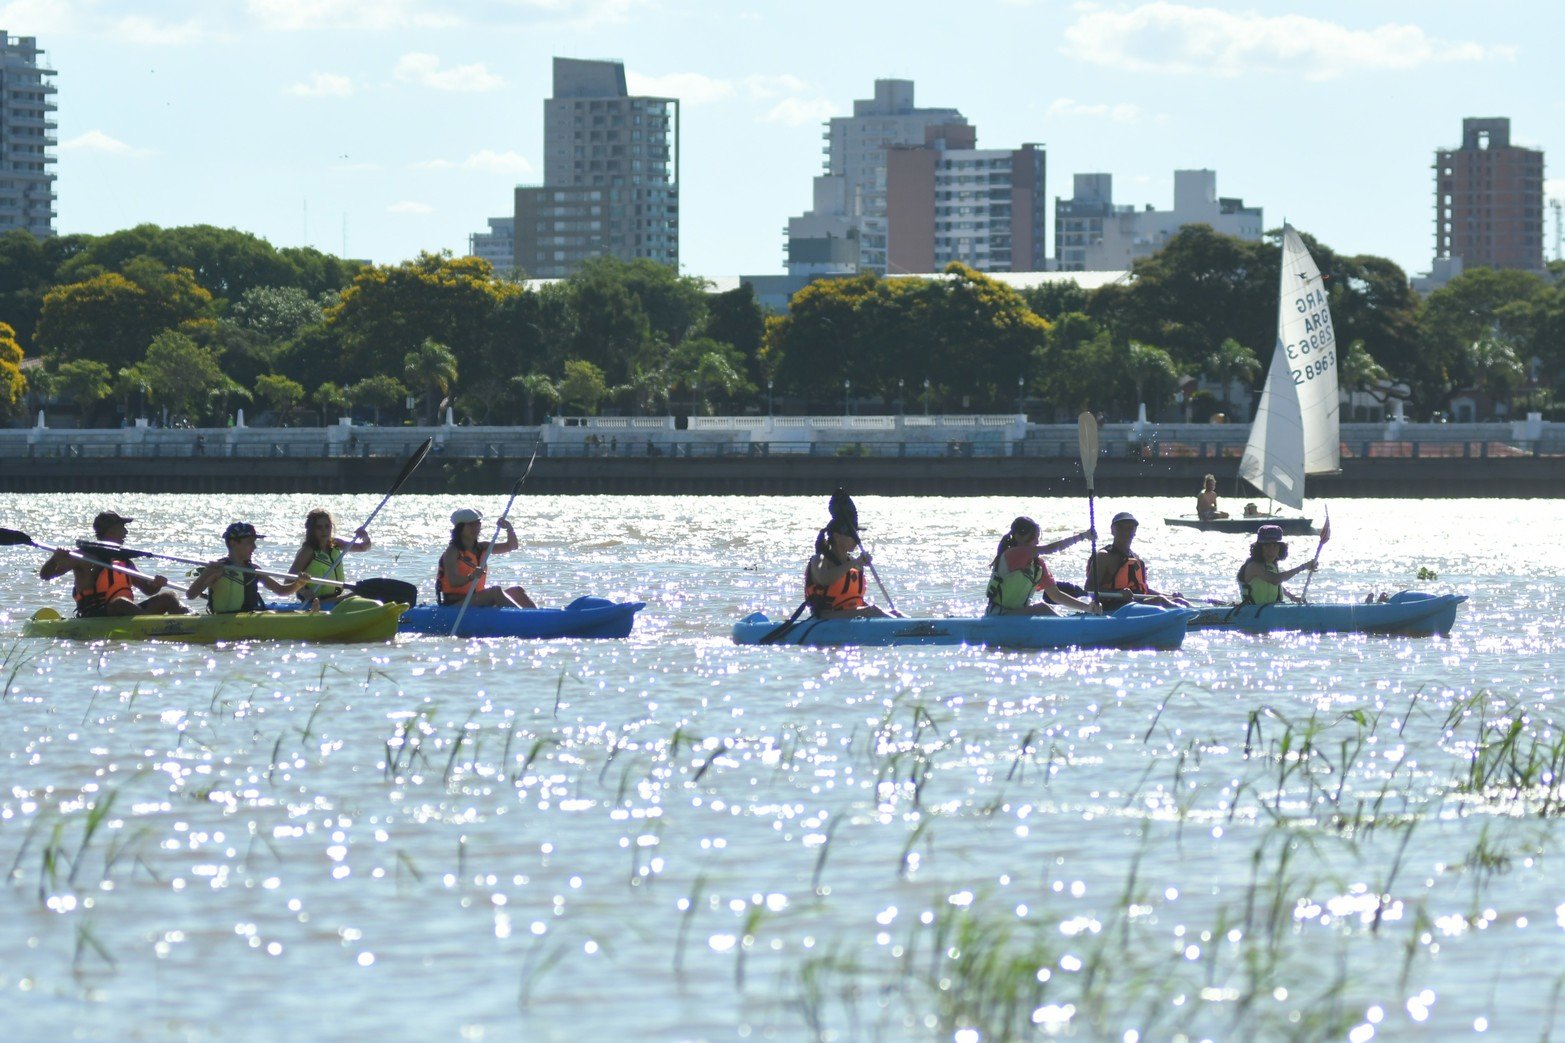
column 231, row 584
column 1260, row 580
column 1018, row 570
column 834, row 582
column 1119, row 575
column 104, row 592
column 459, row 566
column 321, row 555
column 1206, row 502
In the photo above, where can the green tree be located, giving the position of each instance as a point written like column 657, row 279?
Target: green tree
column 278, row 313
column 280, row 393
column 12, row 382
column 1153, row 374
column 703, row 367
column 182, row 376
column 533, row 388
column 432, row 367
column 583, row 386
column 113, row 318
column 1231, row 361
column 86, row 383
column 381, row 391
column 1476, row 306
column 329, row 398
column 735, row 317
column 1496, row 369
column 390, row 311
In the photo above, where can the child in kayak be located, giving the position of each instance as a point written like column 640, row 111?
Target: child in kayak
column 321, row 556
column 1018, row 570
column 834, row 583
column 232, row 583
column 1260, row 581
column 459, row 566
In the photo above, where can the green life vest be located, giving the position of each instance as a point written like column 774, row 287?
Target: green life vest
column 235, row 591
column 1014, row 589
column 327, row 565
column 1261, row 590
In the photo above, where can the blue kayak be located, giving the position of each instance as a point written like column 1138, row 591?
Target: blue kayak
column 1134, row 626
column 1409, row 612
column 584, row 617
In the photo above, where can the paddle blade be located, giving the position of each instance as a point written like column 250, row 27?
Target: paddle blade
column 387, row 591
column 15, row 538
column 1087, row 436
column 109, row 550
column 1325, row 529
column 412, row 464
column 843, row 510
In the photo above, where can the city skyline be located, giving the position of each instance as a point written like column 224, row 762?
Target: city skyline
column 381, row 129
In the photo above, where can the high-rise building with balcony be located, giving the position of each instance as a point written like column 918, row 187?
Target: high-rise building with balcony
column 948, row 200
column 27, row 137
column 610, row 175
column 1093, row 234
column 845, row 230
column 1488, row 201
column 497, row 245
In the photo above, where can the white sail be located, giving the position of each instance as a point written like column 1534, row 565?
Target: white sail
column 1305, row 332
column 1295, row 429
column 1274, row 457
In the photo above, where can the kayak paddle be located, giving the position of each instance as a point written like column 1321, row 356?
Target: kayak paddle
column 362, row 587
column 1325, row 534
column 406, row 472
column 844, row 510
column 1087, row 436
column 17, row 538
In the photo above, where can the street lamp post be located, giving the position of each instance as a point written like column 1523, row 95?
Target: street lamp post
column 847, row 390
column 899, row 396
column 1021, row 393
column 768, row 398
column 926, row 396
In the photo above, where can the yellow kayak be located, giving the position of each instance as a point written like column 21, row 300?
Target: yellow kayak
column 350, row 620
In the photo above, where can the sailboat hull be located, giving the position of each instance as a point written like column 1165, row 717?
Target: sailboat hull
column 1289, row 526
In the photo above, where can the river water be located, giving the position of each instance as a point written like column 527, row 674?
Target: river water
column 673, row 838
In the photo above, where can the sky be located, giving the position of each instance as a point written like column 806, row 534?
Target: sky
column 381, row 128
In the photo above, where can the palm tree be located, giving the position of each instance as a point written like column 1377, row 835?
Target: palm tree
column 433, row 366
column 1231, row 361
column 532, row 387
column 1153, row 368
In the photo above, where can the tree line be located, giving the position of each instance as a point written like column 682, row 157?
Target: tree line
column 200, row 321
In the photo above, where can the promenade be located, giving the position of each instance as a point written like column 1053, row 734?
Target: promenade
column 888, row 455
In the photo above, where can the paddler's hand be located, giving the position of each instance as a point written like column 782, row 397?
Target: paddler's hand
column 865, row 558
column 1094, row 609
column 158, row 583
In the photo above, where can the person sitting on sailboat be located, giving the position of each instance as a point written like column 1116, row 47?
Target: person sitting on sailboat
column 1206, row 502
column 1260, row 580
column 1118, row 575
column 1018, row 570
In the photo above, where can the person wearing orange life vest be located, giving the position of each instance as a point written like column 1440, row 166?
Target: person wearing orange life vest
column 104, row 592
column 460, row 566
column 1119, row 575
column 834, row 583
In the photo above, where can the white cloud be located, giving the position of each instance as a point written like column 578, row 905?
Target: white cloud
column 1164, row 37
column 323, row 85
column 98, row 141
column 1119, row 112
column 797, row 111
column 301, row 15
column 1554, row 188
column 408, row 206
column 425, row 70
column 486, row 160
column 780, row 85
column 136, row 29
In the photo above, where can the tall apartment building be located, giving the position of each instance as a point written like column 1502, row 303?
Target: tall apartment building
column 1489, row 200
column 497, row 245
column 610, row 175
column 26, row 137
column 948, row 200
column 845, row 230
column 1093, row 234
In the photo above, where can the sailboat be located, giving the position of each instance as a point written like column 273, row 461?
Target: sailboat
column 1295, row 431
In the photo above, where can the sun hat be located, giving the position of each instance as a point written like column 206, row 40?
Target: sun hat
column 239, row 531
column 1269, row 534
column 463, row 515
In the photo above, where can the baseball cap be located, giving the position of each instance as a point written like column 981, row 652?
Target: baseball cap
column 1124, row 516
column 107, row 518
column 240, row 530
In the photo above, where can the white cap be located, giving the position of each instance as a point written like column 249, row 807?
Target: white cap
column 463, row 515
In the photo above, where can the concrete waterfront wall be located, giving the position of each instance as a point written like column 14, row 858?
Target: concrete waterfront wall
column 959, row 456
